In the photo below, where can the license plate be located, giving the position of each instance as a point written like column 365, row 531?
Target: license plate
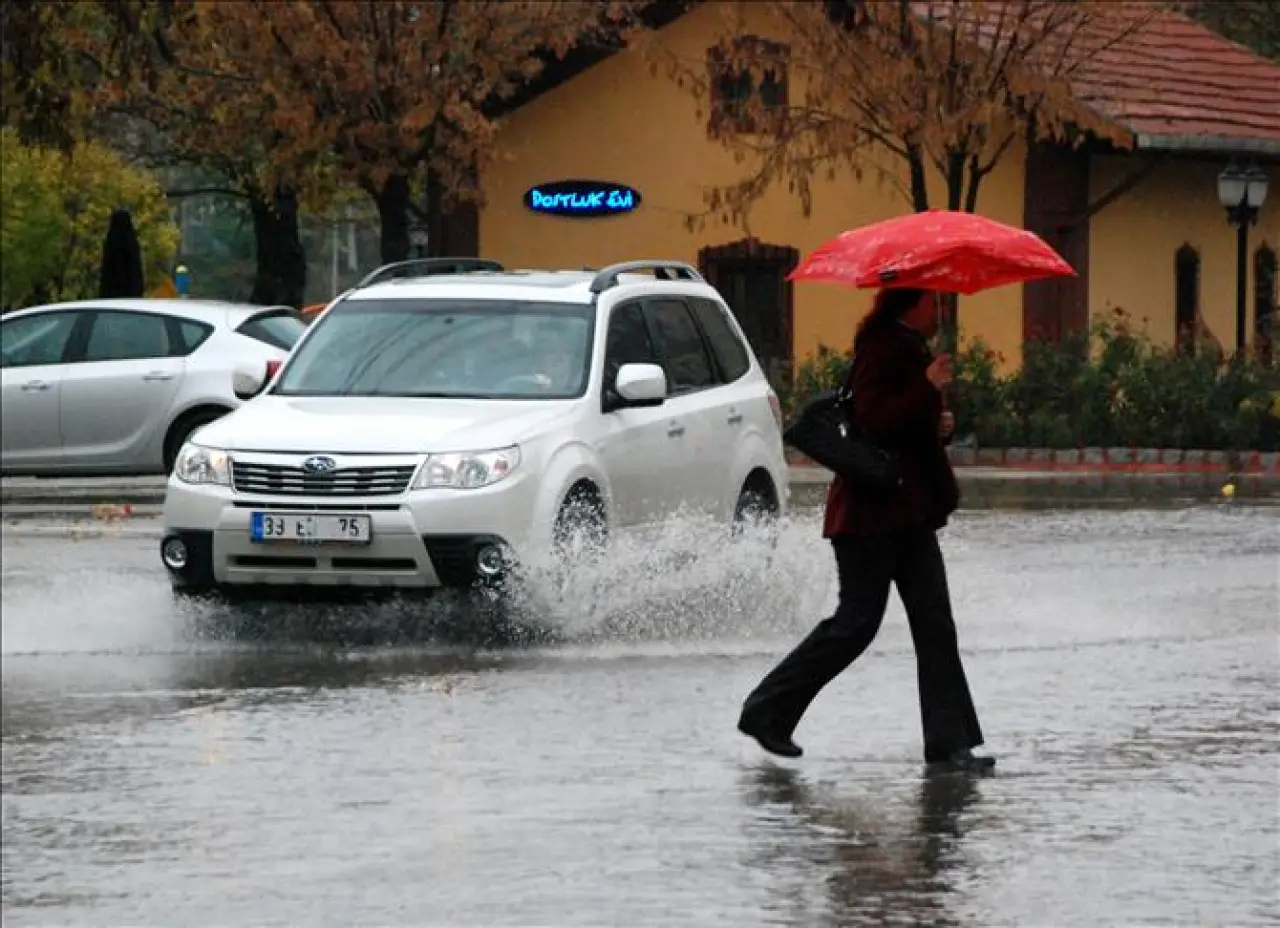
column 310, row 528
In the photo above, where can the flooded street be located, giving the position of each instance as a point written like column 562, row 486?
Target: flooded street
column 1126, row 666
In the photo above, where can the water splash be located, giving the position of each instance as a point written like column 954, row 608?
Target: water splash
column 687, row 581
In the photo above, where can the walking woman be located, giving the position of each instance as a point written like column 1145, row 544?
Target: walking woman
column 890, row 538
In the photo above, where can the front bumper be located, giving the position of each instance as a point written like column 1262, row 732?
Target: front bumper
column 423, row 539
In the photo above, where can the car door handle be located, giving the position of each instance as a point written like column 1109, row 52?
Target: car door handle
column 157, row 375
column 675, row 431
column 735, row 418
column 32, row 386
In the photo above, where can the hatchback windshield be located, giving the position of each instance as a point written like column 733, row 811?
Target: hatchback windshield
column 478, row 349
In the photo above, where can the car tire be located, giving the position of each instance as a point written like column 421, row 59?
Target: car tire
column 581, row 528
column 183, row 428
column 756, row 506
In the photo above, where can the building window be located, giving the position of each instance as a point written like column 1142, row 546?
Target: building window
column 1265, row 309
column 1186, row 295
column 752, row 278
column 748, row 78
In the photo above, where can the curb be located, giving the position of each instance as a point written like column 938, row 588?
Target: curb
column 1104, row 461
column 997, row 469
column 98, row 513
column 75, row 496
column 77, row 529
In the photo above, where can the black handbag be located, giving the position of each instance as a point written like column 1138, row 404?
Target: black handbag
column 823, row 433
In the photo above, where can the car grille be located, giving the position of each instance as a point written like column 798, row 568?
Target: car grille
column 276, row 480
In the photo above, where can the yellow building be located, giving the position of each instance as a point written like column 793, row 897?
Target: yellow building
column 1144, row 227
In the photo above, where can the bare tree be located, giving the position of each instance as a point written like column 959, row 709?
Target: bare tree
column 893, row 87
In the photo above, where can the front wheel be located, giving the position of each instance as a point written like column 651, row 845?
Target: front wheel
column 756, row 509
column 581, row 528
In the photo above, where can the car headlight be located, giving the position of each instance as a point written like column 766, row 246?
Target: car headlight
column 467, row 470
column 196, row 464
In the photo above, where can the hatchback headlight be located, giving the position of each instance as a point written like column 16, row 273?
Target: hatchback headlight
column 467, row 470
column 196, row 464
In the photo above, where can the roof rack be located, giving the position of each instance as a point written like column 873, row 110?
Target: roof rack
column 426, row 267
column 665, row 270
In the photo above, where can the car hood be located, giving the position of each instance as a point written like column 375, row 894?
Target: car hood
column 380, row 425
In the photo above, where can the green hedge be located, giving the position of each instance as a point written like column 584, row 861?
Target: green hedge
column 1111, row 388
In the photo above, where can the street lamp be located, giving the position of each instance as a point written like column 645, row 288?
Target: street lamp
column 1242, row 191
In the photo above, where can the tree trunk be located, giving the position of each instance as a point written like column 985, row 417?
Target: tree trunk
column 919, row 180
column 435, row 218
column 453, row 229
column 281, row 275
column 949, row 303
column 975, row 182
column 955, row 179
column 393, row 218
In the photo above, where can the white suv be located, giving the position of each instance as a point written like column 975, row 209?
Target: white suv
column 447, row 419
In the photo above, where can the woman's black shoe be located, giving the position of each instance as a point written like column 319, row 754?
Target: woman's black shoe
column 964, row 761
column 771, row 741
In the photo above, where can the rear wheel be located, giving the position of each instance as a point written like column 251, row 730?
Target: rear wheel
column 184, row 428
column 757, row 507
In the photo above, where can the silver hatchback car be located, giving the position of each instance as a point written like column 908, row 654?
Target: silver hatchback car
column 115, row 387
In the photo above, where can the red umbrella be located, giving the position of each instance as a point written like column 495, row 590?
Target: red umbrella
column 941, row 250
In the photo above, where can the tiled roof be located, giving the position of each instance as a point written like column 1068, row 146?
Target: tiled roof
column 1174, row 84
column 1177, row 84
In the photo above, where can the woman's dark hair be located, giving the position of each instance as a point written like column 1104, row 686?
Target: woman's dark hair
column 889, row 307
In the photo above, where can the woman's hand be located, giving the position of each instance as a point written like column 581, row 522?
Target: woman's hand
column 946, row 425
column 939, row 371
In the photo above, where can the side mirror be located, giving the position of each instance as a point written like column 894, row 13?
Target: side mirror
column 640, row 385
column 248, row 379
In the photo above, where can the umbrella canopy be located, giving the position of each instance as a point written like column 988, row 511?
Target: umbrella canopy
column 941, row 250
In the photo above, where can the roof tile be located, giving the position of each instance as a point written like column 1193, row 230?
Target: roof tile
column 1174, row 77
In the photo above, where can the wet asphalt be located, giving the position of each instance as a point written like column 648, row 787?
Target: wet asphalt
column 169, row 764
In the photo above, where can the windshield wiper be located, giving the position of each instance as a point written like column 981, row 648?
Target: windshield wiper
column 437, row 395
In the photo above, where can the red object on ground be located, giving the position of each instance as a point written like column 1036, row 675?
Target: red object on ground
column 942, row 250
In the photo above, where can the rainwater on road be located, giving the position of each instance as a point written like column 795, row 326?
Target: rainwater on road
column 164, row 767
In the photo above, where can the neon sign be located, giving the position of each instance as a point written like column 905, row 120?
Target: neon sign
column 581, row 199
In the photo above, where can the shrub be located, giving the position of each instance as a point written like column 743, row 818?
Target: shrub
column 823, row 370
column 55, row 212
column 1111, row 387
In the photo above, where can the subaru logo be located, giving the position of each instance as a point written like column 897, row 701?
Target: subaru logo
column 320, row 464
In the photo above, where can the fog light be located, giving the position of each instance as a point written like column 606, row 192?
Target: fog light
column 490, row 561
column 174, row 553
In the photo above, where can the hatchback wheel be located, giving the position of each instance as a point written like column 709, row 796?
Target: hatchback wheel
column 183, row 429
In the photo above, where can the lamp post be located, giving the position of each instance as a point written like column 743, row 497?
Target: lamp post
column 1242, row 191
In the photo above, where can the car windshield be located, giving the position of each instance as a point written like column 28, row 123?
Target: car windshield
column 475, row 349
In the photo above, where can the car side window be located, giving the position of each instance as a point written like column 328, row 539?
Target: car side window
column 34, row 340
column 731, row 355
column 193, row 334
column 627, row 341
column 125, row 336
column 280, row 329
column 680, row 345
